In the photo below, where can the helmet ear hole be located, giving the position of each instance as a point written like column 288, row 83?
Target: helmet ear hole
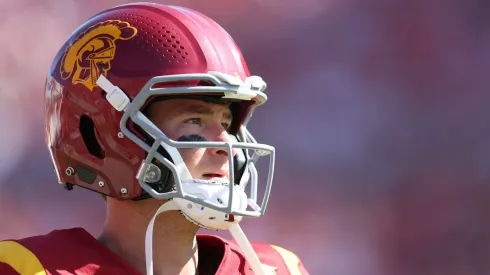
column 87, row 130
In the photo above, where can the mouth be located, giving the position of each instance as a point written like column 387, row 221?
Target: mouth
column 214, row 175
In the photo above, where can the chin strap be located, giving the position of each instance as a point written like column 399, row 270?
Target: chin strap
column 235, row 231
column 252, row 258
column 170, row 205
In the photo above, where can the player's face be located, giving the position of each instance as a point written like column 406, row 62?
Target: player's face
column 196, row 120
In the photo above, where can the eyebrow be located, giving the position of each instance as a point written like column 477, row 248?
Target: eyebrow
column 203, row 110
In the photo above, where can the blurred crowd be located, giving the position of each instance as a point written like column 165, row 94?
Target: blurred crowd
column 379, row 112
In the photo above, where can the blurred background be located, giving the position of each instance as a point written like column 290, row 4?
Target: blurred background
column 379, row 111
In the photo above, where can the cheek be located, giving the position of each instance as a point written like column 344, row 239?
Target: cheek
column 169, row 129
column 192, row 158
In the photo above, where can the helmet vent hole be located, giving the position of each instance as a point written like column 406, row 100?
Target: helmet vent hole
column 87, row 129
column 157, row 37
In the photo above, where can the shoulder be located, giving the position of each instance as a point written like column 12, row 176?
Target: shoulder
column 57, row 240
column 278, row 259
column 21, row 256
column 40, row 254
column 17, row 259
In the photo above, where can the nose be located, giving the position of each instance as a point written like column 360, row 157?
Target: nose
column 222, row 136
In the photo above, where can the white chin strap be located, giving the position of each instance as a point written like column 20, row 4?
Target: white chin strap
column 235, row 231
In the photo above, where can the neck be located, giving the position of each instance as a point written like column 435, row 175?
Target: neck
column 174, row 241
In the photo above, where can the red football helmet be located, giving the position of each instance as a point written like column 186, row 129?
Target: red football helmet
column 105, row 76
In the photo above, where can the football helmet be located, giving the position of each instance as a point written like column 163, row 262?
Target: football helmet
column 100, row 85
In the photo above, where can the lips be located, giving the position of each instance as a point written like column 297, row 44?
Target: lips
column 211, row 175
column 215, row 174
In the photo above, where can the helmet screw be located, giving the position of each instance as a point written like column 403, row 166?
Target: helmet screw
column 101, row 184
column 70, row 171
column 189, row 205
column 120, row 135
column 124, row 190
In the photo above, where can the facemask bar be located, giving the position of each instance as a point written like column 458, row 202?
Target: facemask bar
column 171, row 146
column 232, row 88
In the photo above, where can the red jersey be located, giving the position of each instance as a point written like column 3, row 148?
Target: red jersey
column 75, row 251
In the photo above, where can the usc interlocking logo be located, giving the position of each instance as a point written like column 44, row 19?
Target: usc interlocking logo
column 91, row 53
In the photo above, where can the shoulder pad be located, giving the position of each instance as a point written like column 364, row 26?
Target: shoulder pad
column 20, row 258
column 293, row 263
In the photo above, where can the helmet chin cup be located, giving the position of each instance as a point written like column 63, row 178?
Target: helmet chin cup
column 207, row 217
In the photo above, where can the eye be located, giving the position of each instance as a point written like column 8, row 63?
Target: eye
column 193, row 120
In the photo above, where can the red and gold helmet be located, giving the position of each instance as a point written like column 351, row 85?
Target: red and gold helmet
column 111, row 68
